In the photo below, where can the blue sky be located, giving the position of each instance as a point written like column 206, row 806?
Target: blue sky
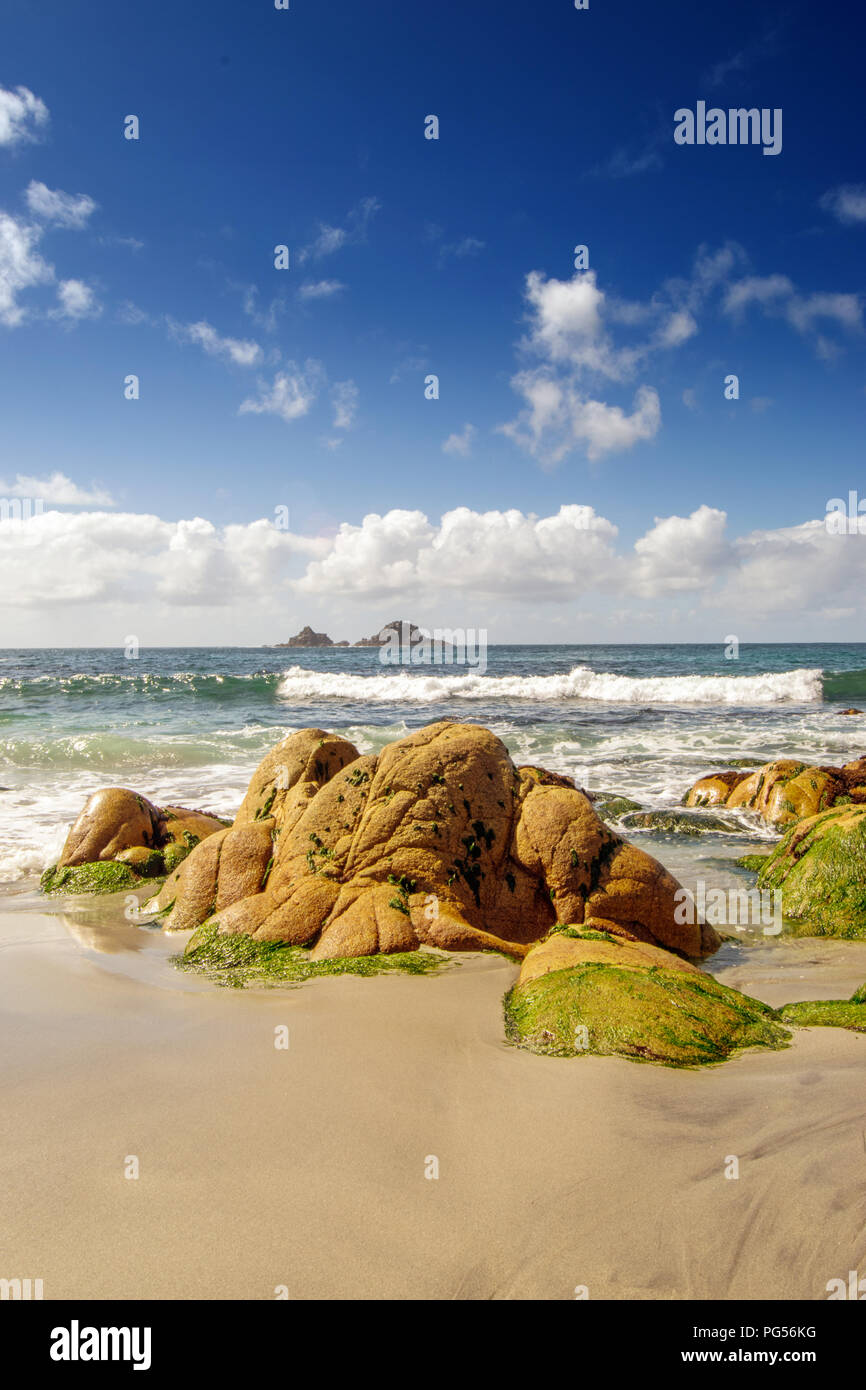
column 262, row 388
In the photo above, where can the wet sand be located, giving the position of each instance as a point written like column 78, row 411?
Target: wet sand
column 305, row 1168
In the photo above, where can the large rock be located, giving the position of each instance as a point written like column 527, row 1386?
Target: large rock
column 595, row 994
column 820, row 868
column 438, row 841
column 782, row 792
column 119, row 826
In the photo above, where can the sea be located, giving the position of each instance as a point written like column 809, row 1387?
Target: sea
column 188, row 725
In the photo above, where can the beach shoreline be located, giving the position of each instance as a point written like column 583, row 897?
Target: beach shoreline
column 263, row 1169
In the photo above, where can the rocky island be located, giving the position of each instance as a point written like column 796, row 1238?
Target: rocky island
column 308, row 638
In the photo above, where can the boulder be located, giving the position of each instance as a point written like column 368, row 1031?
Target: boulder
column 438, row 841
column 591, row 993
column 820, row 868
column 782, row 792
column 119, row 826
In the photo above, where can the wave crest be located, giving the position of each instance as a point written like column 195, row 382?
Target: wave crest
column 580, row 683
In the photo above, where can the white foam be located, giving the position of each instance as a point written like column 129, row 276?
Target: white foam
column 580, row 683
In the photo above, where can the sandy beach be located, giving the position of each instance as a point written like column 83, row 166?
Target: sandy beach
column 304, row 1168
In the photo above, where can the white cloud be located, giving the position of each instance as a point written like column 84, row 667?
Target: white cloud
column 77, row 301
column 242, row 352
column 846, row 203
column 460, row 443
column 104, row 561
column 777, row 296
column 57, row 208
column 56, row 488
column 21, row 267
column 756, row 289
column 291, row 395
column 331, row 239
column 320, row 289
column 60, row 559
column 344, row 397
column 678, row 329
column 559, row 417
column 682, row 553
column 460, row 250
column 477, row 553
column 22, row 116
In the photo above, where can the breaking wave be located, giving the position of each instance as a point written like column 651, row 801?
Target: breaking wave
column 580, row 683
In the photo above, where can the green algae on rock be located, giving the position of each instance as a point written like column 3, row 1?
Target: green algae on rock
column 106, row 877
column 753, row 862
column 827, row 1013
column 820, row 866
column 677, row 822
column 669, row 1016
column 612, row 807
column 237, row 961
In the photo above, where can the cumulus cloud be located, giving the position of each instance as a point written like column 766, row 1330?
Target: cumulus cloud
column 22, row 266
column 846, row 203
column 57, row 489
column 23, row 116
column 479, row 553
column 57, row 208
column 460, row 443
column 76, row 300
column 291, row 395
column 59, row 559
column 242, row 352
column 559, row 417
column 682, row 553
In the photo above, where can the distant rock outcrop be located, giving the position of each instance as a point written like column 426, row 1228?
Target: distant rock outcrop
column 308, row 638
column 407, row 634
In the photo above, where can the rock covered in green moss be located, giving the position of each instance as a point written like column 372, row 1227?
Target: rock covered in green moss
column 107, row 877
column 613, row 807
column 238, row 961
column 147, row 863
column 753, row 862
column 650, row 1013
column 820, row 867
column 121, row 828
column 677, row 822
column 826, row 1013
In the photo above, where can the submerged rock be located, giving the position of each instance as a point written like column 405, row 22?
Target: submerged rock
column 613, row 807
column 677, row 822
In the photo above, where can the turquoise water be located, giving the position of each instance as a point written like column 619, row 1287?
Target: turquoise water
column 189, row 725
